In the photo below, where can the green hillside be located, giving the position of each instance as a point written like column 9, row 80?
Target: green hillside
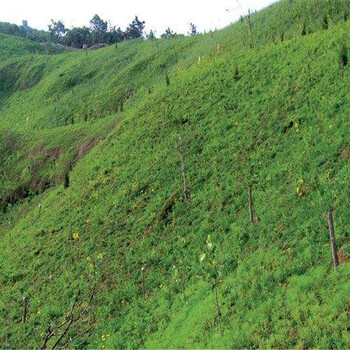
column 124, row 175
column 12, row 47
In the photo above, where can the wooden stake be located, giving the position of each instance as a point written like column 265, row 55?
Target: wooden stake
column 332, row 238
column 250, row 201
column 24, row 304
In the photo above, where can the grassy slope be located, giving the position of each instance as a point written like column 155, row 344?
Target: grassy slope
column 276, row 285
column 12, row 47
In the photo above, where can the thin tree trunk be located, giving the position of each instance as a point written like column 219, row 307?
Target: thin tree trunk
column 184, row 176
column 332, row 238
column 250, row 202
column 143, row 283
column 217, row 304
column 249, row 17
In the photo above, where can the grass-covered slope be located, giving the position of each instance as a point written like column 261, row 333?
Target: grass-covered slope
column 11, row 46
column 124, row 257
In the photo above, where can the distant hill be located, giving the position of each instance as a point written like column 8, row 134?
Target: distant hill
column 125, row 177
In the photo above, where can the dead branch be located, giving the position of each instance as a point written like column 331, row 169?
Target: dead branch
column 70, row 321
column 64, row 333
column 75, row 337
column 48, row 336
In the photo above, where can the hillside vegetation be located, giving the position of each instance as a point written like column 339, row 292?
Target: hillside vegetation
column 123, row 187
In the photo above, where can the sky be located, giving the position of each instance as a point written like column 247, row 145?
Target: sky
column 158, row 14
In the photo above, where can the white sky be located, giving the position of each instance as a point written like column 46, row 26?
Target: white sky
column 158, row 14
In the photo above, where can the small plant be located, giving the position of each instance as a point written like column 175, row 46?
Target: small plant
column 325, row 22
column 237, row 76
column 344, row 55
column 301, row 189
column 303, row 31
column 4, row 207
column 66, row 180
column 167, row 79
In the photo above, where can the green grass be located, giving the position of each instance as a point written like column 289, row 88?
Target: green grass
column 274, row 115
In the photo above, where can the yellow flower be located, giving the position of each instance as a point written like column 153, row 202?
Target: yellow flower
column 301, row 181
column 75, row 236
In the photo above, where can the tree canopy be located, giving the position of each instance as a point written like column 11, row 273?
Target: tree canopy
column 135, row 29
column 98, row 32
